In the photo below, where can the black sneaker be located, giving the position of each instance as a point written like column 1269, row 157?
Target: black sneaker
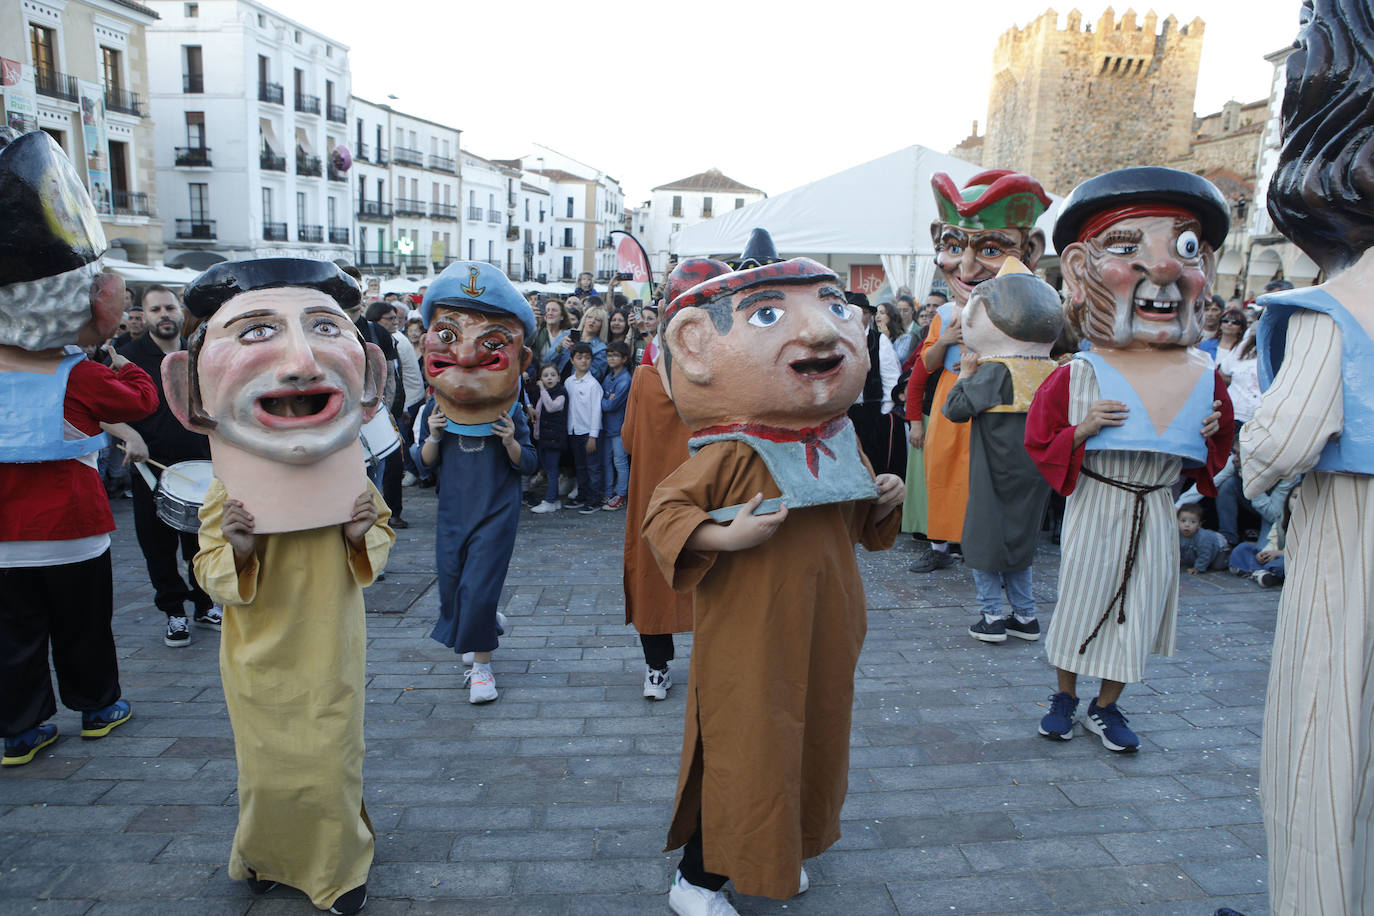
column 351, row 902
column 1030, row 630
column 932, row 560
column 211, row 618
column 1267, row 579
column 588, row 509
column 259, row 887
column 989, row 632
column 178, row 634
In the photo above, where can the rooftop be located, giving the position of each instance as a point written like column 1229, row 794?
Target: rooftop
column 709, row 180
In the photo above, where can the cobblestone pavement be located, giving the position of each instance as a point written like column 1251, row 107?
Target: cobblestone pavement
column 556, row 798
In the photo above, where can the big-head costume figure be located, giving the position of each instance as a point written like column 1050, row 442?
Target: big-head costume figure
column 55, row 577
column 279, row 378
column 475, row 351
column 1317, row 416
column 762, row 363
column 1114, row 428
column 989, row 220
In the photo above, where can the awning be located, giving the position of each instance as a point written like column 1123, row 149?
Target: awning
column 147, row 273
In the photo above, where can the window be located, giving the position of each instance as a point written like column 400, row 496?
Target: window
column 491, row 202
column 192, row 10
column 472, row 250
column 541, row 213
column 677, row 205
column 570, row 208
column 298, row 36
column 568, row 237
column 381, row 190
column 491, row 250
column 332, row 205
column 195, row 129
column 119, row 169
column 264, row 71
column 111, row 69
column 329, row 94
column 567, row 268
column 300, row 209
column 706, row 206
column 400, row 137
column 472, row 200
column 298, row 82
column 413, row 144
column 435, row 197
column 42, row 43
column 200, row 202
column 262, row 21
column 527, row 209
column 193, row 67
column 267, row 205
column 328, row 50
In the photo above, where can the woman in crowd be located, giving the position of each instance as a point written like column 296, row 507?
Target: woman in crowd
column 618, row 327
column 547, row 340
column 593, row 332
column 1229, row 334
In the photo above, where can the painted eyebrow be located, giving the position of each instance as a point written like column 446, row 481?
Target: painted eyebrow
column 827, row 292
column 761, row 296
column 323, row 310
column 256, row 313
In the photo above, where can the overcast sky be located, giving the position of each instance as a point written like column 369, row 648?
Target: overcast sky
column 774, row 95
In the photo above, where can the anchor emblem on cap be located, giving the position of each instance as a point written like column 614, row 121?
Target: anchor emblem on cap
column 472, row 289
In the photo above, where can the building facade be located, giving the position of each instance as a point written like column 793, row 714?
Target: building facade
column 78, row 69
column 585, row 206
column 678, row 204
column 250, row 108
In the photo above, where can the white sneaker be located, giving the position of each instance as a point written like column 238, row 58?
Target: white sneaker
column 656, row 683
column 408, row 479
column 501, row 623
column 687, row 899
column 546, row 506
column 481, row 684
column 805, row 883
column 178, row 635
column 469, row 658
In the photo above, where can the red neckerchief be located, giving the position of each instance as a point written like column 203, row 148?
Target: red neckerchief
column 812, row 437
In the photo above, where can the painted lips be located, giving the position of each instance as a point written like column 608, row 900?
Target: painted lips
column 817, row 368
column 293, row 408
column 1158, row 305
column 436, row 364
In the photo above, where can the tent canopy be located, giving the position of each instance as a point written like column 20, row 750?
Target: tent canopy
column 146, row 273
column 883, row 208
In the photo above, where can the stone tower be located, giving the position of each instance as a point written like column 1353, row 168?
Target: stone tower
column 1069, row 104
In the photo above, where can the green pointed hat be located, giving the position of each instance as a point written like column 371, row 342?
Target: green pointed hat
column 996, row 199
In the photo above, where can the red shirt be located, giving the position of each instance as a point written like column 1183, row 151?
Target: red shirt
column 63, row 500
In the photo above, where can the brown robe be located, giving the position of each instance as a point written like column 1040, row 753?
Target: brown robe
column 656, row 439
column 765, row 750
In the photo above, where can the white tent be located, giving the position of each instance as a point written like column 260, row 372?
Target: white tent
column 147, row 273
column 881, row 209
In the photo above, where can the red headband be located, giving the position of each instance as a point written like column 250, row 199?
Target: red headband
column 1107, row 218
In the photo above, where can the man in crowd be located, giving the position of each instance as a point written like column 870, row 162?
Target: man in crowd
column 162, row 438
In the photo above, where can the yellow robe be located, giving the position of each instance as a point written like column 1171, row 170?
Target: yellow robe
column 292, row 659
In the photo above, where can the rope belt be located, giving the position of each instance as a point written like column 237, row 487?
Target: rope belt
column 1139, row 491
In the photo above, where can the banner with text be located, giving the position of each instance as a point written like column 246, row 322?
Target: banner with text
column 21, row 100
column 97, row 144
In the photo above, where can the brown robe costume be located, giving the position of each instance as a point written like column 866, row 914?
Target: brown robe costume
column 765, row 750
column 656, row 439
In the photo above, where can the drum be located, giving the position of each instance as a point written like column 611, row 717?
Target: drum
column 181, row 493
column 380, row 438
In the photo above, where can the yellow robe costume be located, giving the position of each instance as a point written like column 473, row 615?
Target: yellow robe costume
column 292, row 658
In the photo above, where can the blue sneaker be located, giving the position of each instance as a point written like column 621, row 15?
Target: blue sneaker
column 1109, row 724
column 98, row 724
column 1057, row 724
column 23, row 747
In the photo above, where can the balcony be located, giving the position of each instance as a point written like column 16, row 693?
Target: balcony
column 442, row 164
column 337, row 113
column 52, row 83
column 274, row 232
column 374, row 210
column 382, row 156
column 374, row 259
column 201, row 230
column 510, row 201
column 407, row 206
column 310, row 233
column 363, row 152
column 272, row 163
column 310, row 104
column 567, row 275
column 441, row 264
column 193, row 156
column 122, row 100
column 476, row 213
column 402, row 155
column 418, row 262
column 308, row 165
column 334, row 174
column 131, row 203
column 338, row 235
column 494, row 217
column 512, row 233
column 443, row 211
column 271, row 92
column 603, row 275
column 541, row 247
column 193, row 82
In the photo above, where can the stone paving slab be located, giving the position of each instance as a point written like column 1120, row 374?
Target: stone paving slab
column 555, row 800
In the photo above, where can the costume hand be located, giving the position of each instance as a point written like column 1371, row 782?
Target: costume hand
column 891, row 494
column 504, row 429
column 1194, row 571
column 437, row 423
column 364, row 517
column 591, row 445
column 968, row 362
column 952, row 333
column 237, row 526
column 135, row 447
column 916, row 435
column 1265, row 556
column 1103, row 413
column 1213, row 421
column 749, row 530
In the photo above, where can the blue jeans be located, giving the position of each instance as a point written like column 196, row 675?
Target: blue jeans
column 588, row 470
column 1245, row 558
column 1018, row 585
column 615, row 466
column 548, row 462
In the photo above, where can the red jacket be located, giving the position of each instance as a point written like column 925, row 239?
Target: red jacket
column 64, row 500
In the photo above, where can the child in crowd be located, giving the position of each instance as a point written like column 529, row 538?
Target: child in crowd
column 615, row 393
column 551, row 433
column 584, row 426
column 1266, row 564
column 1199, row 549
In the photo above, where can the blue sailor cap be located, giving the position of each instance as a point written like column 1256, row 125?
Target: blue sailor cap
column 481, row 287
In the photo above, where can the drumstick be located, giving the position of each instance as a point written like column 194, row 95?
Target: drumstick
column 161, row 467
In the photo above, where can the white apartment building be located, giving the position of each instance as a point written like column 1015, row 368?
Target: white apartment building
column 487, row 207
column 686, row 202
column 63, row 55
column 586, row 206
column 407, row 181
column 249, row 108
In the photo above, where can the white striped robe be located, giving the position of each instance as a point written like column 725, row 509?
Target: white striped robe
column 1316, row 785
column 1097, row 528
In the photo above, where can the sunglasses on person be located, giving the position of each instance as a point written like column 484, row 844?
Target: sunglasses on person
column 1233, row 321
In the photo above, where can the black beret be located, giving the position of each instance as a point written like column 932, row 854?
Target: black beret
column 50, row 226
column 859, row 299
column 224, row 281
column 1147, row 184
